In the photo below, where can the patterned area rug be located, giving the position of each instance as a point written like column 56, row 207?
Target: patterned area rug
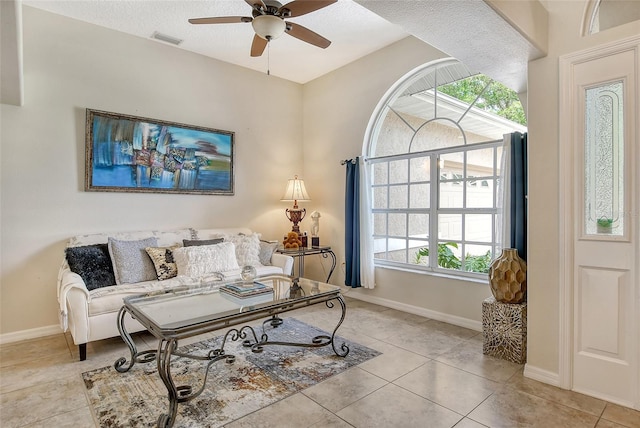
column 253, row 381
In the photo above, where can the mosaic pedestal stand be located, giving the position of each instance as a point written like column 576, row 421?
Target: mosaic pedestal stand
column 504, row 330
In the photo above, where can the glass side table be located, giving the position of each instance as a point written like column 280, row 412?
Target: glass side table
column 302, row 252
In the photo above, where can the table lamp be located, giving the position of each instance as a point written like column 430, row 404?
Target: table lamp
column 295, row 192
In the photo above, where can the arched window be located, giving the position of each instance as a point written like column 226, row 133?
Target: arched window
column 434, row 159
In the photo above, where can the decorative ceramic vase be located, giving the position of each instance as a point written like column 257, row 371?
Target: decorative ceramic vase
column 508, row 277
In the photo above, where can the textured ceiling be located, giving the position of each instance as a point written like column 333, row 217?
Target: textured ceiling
column 353, row 30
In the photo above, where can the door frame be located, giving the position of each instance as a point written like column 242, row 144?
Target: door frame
column 567, row 133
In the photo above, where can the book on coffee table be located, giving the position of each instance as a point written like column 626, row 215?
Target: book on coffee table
column 241, row 290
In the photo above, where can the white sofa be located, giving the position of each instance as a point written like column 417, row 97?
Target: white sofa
column 90, row 315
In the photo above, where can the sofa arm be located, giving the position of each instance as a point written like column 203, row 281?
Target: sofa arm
column 284, row 262
column 73, row 297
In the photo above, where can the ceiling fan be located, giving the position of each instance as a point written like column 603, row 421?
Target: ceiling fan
column 269, row 23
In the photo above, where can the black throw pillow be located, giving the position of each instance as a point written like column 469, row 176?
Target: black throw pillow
column 93, row 264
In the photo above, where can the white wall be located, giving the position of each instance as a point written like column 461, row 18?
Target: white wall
column 70, row 66
column 565, row 19
column 337, row 109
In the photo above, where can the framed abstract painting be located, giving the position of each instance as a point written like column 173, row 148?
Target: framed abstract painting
column 136, row 154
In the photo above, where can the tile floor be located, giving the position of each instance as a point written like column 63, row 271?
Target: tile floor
column 430, row 374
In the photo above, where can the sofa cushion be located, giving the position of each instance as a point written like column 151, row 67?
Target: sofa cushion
column 93, row 264
column 162, row 259
column 266, row 251
column 247, row 248
column 131, row 263
column 205, row 259
column 197, row 242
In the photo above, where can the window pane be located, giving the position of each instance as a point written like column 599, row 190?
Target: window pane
column 449, row 255
column 480, row 163
column 480, row 193
column 451, row 194
column 397, row 225
column 420, row 169
column 380, row 175
column 397, row 251
column 399, row 171
column 451, row 180
column 477, row 258
column 418, row 252
column 379, row 224
column 450, row 227
column 380, row 198
column 380, row 248
column 478, row 227
column 604, row 160
column 419, row 226
column 398, row 196
column 420, row 196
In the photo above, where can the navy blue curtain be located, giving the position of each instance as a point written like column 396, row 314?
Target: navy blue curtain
column 519, row 193
column 352, row 224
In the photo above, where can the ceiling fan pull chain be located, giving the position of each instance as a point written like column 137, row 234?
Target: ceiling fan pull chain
column 268, row 56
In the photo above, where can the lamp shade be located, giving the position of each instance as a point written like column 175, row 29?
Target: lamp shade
column 268, row 26
column 295, row 191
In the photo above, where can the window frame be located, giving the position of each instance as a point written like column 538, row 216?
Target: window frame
column 435, row 210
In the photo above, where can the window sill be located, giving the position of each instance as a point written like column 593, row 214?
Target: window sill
column 436, row 274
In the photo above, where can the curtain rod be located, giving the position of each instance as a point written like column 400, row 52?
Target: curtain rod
column 347, row 160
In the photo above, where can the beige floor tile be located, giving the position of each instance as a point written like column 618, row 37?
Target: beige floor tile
column 452, row 388
column 20, row 352
column 393, row 363
column 34, row 404
column 571, row 399
column 295, row 411
column 38, row 371
column 469, row 423
column 393, row 406
column 331, row 421
column 622, row 415
column 468, row 356
column 343, row 389
column 451, row 330
column 422, row 340
column 81, row 418
column 509, row 408
column 603, row 423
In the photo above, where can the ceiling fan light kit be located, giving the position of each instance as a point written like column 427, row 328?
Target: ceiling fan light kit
column 268, row 21
column 268, row 27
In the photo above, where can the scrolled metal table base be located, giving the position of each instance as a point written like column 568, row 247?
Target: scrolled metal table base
column 168, row 348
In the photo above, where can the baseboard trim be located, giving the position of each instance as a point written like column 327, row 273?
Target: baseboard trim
column 34, row 333
column 417, row 310
column 541, row 375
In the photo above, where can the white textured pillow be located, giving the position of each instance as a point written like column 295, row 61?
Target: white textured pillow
column 205, row 259
column 247, row 248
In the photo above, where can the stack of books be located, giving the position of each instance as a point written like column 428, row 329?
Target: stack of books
column 246, row 290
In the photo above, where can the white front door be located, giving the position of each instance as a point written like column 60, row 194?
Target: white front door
column 601, row 226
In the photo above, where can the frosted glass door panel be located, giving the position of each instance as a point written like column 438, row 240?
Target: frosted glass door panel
column 604, row 160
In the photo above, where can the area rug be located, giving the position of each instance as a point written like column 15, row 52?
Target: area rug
column 253, row 381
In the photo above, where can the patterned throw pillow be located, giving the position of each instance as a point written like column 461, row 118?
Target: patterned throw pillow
column 162, row 258
column 247, row 248
column 131, row 263
column 205, row 259
column 266, row 251
column 93, row 264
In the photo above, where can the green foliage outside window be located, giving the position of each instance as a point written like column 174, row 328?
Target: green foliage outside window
column 497, row 99
column 448, row 260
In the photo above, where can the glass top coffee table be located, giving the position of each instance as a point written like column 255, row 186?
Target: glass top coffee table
column 186, row 312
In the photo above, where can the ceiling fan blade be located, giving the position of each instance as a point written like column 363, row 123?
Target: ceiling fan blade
column 256, row 4
column 258, row 45
column 221, row 20
column 302, row 7
column 306, row 35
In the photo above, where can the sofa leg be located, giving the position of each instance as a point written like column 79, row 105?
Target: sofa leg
column 83, row 351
